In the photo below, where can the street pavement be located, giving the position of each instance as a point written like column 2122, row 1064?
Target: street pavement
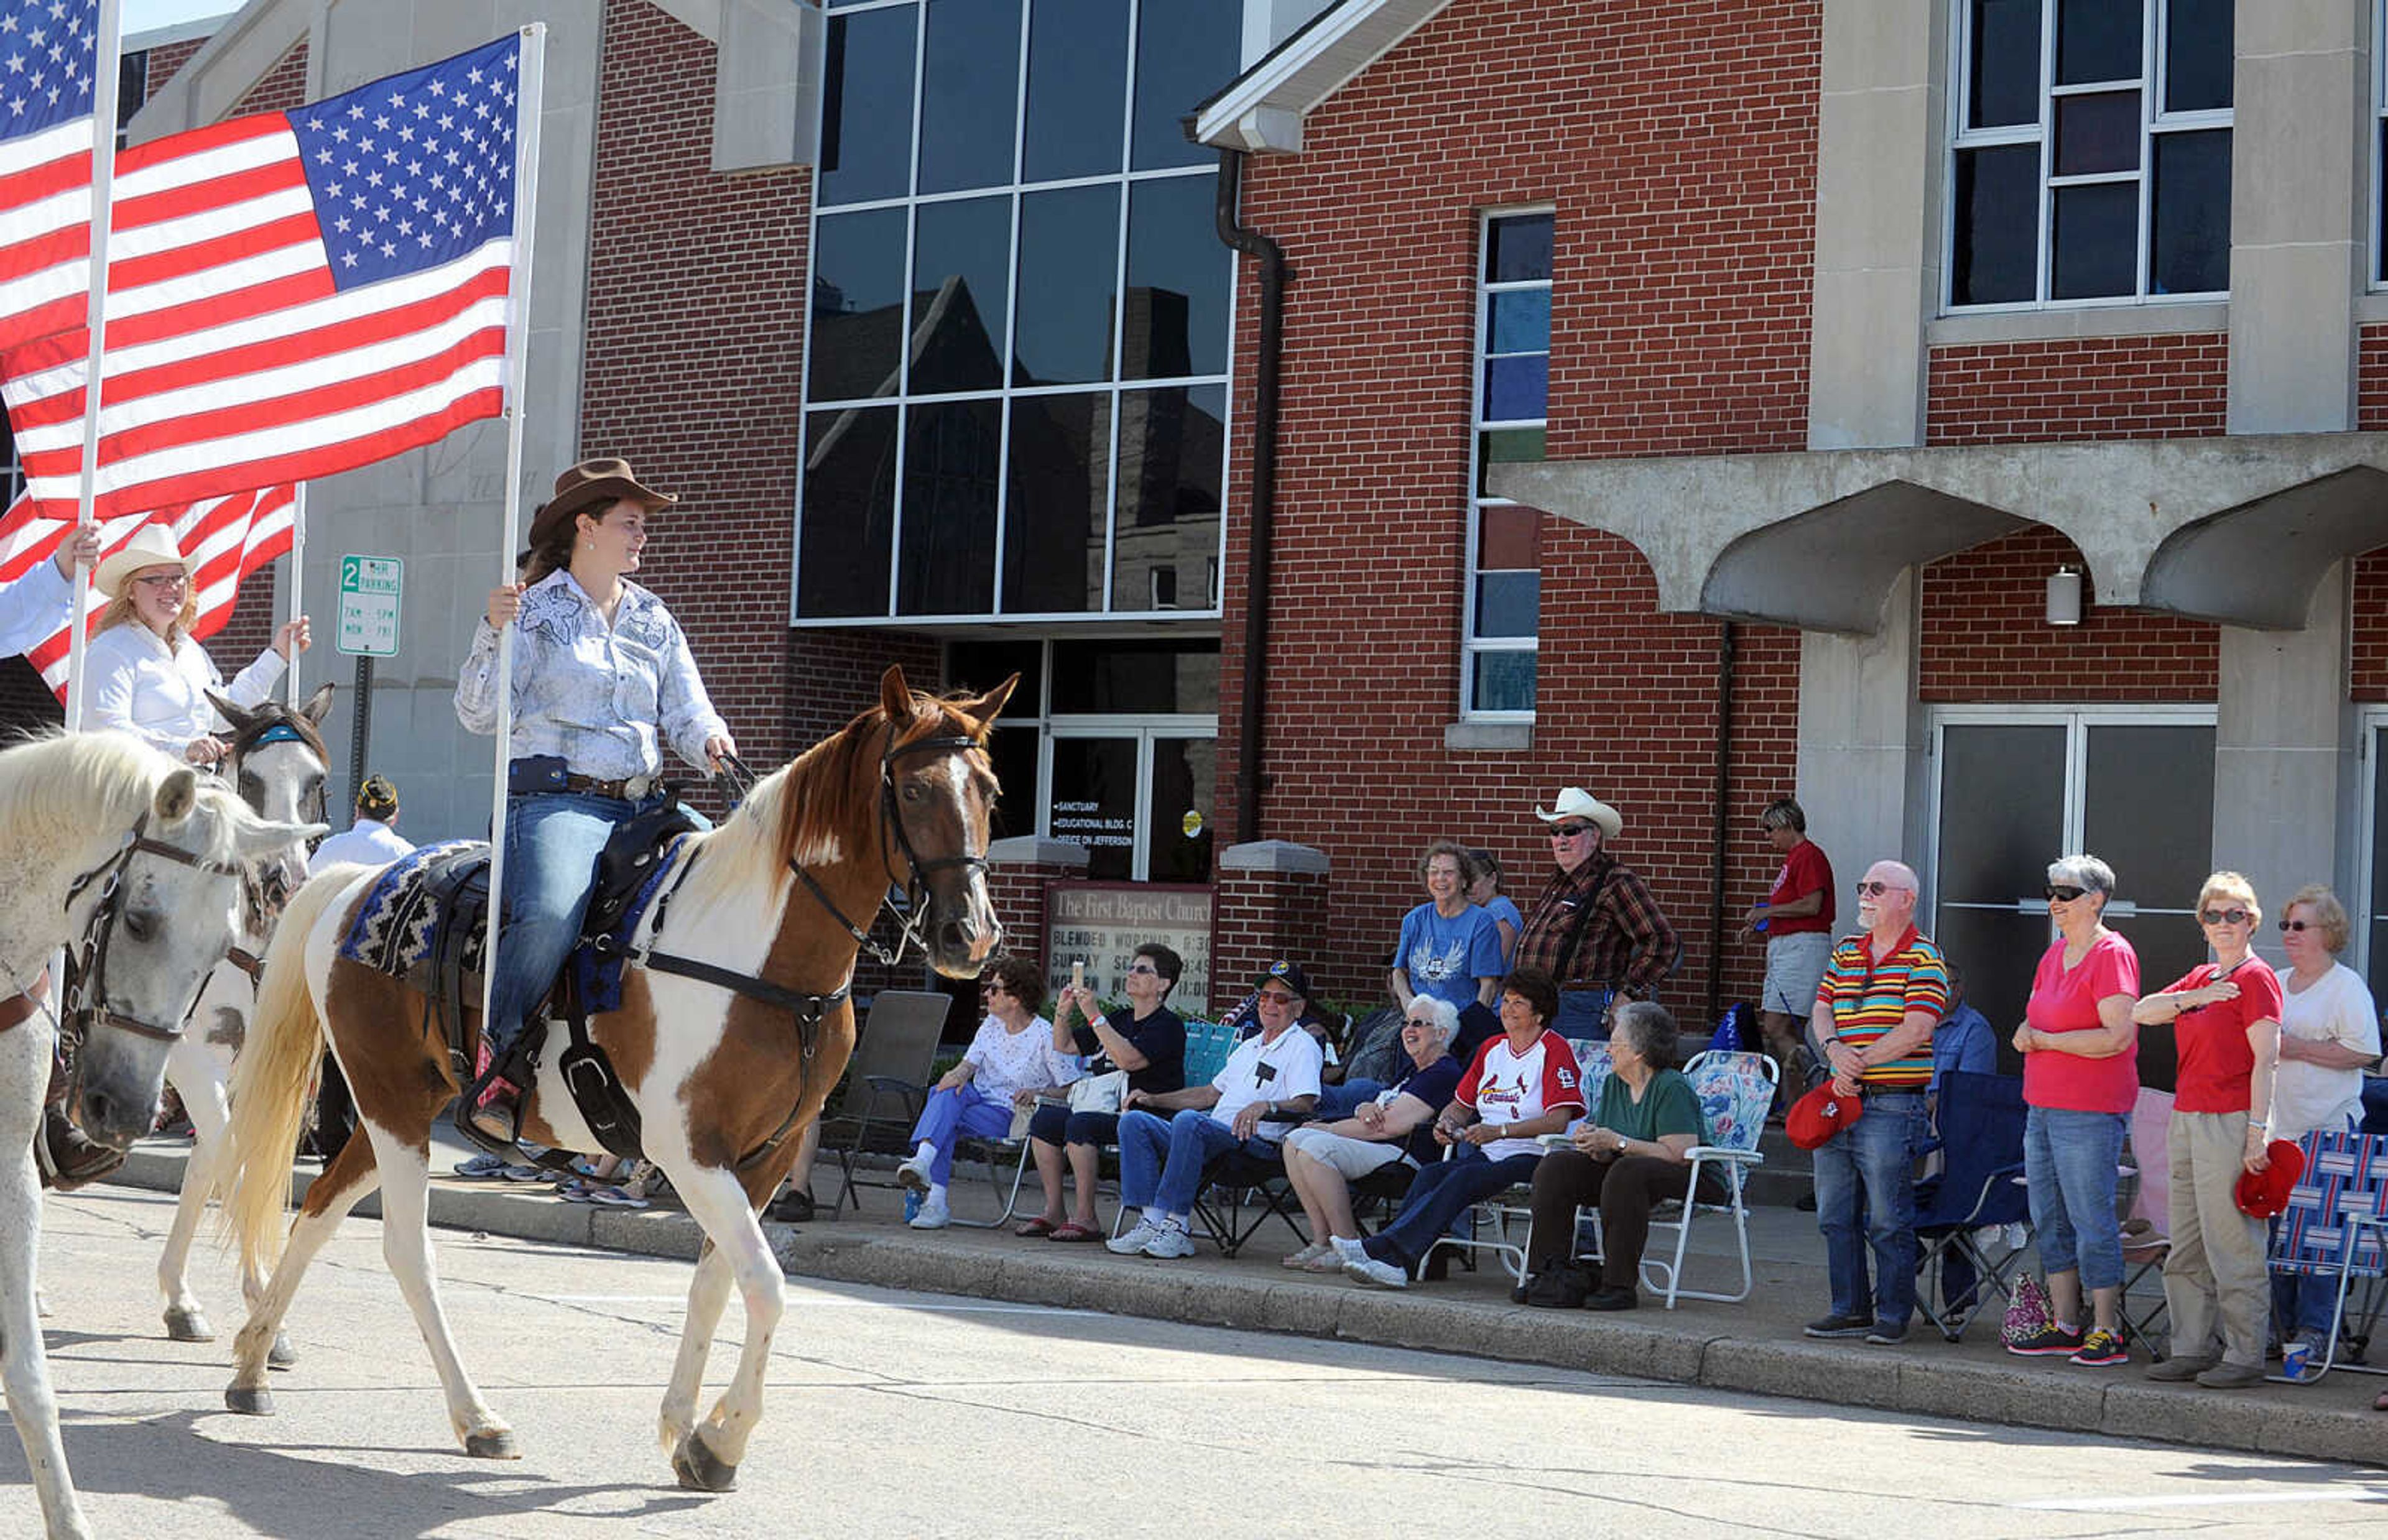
column 905, row 1414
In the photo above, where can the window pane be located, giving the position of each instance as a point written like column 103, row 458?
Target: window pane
column 1121, row 676
column 1517, row 388
column 2097, row 40
column 1069, row 258
column 1094, row 803
column 2197, row 54
column 1509, row 537
column 1172, row 447
column 1185, row 779
column 866, row 149
column 984, row 662
column 2096, row 241
column 969, row 81
column 951, row 463
column 1521, row 322
column 1012, row 754
column 1059, row 503
column 1997, row 259
column 849, row 513
column 2098, row 133
column 1505, row 446
column 1504, row 682
column 2190, row 248
column 1176, row 321
column 1508, row 603
column 2006, row 63
column 2147, row 805
column 1517, row 247
column 961, row 255
column 1077, row 88
column 857, row 323
column 1185, row 51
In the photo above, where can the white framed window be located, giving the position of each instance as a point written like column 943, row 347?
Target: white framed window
column 1502, row 624
column 2089, row 152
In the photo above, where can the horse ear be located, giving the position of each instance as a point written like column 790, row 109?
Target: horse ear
column 176, row 795
column 239, row 717
column 895, row 695
column 983, row 709
column 255, row 836
column 318, row 704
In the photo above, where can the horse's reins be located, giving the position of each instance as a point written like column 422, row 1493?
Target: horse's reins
column 90, row 970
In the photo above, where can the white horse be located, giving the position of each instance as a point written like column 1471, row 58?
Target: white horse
column 138, row 864
column 277, row 763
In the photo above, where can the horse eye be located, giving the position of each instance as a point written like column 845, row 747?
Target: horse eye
column 140, row 923
column 911, row 793
column 251, row 785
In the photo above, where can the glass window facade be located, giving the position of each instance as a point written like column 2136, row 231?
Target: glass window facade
column 1015, row 387
column 1505, row 589
column 2091, row 161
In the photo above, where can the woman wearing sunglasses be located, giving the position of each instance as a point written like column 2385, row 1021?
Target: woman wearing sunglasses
column 2226, row 1017
column 2080, row 1078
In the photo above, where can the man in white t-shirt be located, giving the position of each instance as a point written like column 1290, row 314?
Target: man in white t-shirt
column 1273, row 1075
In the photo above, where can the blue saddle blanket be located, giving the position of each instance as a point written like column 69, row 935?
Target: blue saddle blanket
column 399, row 928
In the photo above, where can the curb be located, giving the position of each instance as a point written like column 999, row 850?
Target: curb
column 1651, row 1344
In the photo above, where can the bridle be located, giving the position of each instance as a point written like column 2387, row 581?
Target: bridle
column 89, row 973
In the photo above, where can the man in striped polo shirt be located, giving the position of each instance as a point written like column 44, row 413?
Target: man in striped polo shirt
column 1883, row 992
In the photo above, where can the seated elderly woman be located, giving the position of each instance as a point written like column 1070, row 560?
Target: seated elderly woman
column 1626, row 1158
column 1008, row 1063
column 1323, row 1159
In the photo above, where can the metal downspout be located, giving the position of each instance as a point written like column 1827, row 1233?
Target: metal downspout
column 1727, row 641
column 1260, row 544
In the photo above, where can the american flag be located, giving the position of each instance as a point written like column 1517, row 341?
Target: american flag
column 291, row 294
column 48, row 54
column 226, row 538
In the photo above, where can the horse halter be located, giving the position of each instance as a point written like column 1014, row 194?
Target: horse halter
column 90, row 972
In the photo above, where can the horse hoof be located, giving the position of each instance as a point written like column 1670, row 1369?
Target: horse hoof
column 699, row 1470
column 496, row 1444
column 184, row 1325
column 249, row 1400
column 281, row 1354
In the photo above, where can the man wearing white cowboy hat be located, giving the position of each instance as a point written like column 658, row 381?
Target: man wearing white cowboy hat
column 1595, row 928
column 145, row 674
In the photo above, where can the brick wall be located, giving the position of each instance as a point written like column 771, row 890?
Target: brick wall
column 2369, row 673
column 166, row 58
column 2079, row 388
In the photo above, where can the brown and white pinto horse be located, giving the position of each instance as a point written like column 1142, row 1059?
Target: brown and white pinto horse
column 901, row 795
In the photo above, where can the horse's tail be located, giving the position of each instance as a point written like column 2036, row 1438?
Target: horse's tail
column 274, row 1079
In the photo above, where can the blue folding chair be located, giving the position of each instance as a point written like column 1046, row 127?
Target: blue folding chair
column 1979, row 1124
column 2337, row 1226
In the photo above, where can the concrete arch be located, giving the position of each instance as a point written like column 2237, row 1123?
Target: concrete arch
column 2259, row 564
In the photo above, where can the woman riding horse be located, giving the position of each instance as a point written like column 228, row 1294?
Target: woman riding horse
column 602, row 675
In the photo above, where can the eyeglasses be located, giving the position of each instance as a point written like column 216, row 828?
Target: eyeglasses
column 1875, row 890
column 1144, row 968
column 1569, row 831
column 2058, row 893
column 1279, row 998
column 993, row 989
column 1419, row 1021
column 163, row 581
column 2224, row 917
column 2287, row 925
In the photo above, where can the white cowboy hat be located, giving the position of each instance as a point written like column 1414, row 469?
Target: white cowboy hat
column 151, row 546
column 1574, row 802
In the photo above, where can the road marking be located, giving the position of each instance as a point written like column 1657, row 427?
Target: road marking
column 802, row 1304
column 2199, row 1499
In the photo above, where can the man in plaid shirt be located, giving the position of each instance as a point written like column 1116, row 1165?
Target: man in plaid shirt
column 1595, row 928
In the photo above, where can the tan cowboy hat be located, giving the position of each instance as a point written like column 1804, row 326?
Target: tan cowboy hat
column 151, row 546
column 591, row 484
column 1574, row 802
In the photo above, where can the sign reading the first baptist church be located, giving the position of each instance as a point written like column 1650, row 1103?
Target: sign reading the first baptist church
column 1102, row 923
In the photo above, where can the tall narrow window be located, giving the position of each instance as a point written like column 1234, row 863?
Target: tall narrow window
column 1505, row 577
column 2091, row 159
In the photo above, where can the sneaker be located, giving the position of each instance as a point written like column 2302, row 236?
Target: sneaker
column 1171, row 1243
column 481, row 1167
column 524, row 1173
column 933, row 1216
column 1308, row 1254
column 573, row 1189
column 1887, row 1334
column 914, row 1174
column 2049, row 1342
column 2104, row 1350
column 1370, row 1273
column 1840, row 1326
column 2231, row 1377
column 617, row 1196
column 1131, row 1243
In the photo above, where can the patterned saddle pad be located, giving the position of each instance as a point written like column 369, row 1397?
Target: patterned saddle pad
column 426, row 919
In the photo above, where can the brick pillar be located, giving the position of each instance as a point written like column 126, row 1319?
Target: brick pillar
column 1017, row 872
column 1271, row 903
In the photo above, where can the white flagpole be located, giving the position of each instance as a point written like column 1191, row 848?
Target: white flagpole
column 298, row 565
column 105, row 68
column 531, row 73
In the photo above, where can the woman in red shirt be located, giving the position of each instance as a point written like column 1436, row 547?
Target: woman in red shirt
column 2226, row 1017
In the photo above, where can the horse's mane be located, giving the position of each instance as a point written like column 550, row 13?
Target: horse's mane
column 276, row 713
column 64, row 787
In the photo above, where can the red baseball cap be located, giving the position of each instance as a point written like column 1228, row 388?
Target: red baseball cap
column 1815, row 1117
column 2265, row 1195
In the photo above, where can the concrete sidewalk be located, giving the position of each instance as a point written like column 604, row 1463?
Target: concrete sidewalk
column 1752, row 1346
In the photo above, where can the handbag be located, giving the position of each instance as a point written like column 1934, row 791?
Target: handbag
column 2028, row 1311
column 1098, row 1093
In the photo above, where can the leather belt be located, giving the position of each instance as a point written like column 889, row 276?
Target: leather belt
column 632, row 788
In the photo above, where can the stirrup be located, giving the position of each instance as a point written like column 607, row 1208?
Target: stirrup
column 507, row 1147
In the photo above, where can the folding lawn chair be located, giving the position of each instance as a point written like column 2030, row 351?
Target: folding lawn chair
column 2146, row 1221
column 1979, row 1135
column 887, row 1084
column 2337, row 1226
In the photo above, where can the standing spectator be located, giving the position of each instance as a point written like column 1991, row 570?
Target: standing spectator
column 1008, row 1062
column 1489, row 894
column 1162, row 1159
column 1595, row 928
column 1882, row 991
column 373, row 839
column 2226, row 1017
column 1797, row 919
column 1322, row 1160
column 1450, row 948
column 1147, row 1041
column 2080, row 1078
column 1521, row 1085
column 2329, row 1034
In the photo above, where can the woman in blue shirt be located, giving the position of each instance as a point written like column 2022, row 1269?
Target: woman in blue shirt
column 1449, row 948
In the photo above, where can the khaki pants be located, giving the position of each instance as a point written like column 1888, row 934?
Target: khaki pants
column 2214, row 1280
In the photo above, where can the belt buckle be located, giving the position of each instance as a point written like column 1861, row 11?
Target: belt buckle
column 635, row 788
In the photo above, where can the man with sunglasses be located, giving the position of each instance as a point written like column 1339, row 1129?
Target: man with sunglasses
column 1595, row 928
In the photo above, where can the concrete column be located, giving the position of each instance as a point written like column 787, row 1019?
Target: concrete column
column 1018, row 871
column 1861, row 740
column 1271, row 903
column 2282, row 765
column 2300, row 196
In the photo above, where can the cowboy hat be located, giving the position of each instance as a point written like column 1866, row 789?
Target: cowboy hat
column 1574, row 802
column 151, row 546
column 593, row 483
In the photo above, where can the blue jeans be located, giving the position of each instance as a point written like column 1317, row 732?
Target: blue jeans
column 1339, row 1102
column 2071, row 1162
column 961, row 1109
column 1441, row 1191
column 1865, row 1195
column 1162, row 1159
column 1583, row 1012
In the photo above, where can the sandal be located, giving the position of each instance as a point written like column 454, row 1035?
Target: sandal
column 1037, row 1228
column 1073, row 1230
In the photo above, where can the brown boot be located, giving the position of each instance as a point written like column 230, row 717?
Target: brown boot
column 69, row 1158
column 498, row 1113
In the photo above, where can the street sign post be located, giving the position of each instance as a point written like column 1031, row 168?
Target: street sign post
column 370, row 587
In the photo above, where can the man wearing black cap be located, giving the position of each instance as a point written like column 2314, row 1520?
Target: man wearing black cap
column 1270, row 1074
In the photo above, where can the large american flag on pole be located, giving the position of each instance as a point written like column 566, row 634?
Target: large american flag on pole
column 227, row 538
column 49, row 58
column 290, row 295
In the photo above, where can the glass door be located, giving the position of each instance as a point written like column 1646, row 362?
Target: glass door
column 2371, row 938
column 1137, row 797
